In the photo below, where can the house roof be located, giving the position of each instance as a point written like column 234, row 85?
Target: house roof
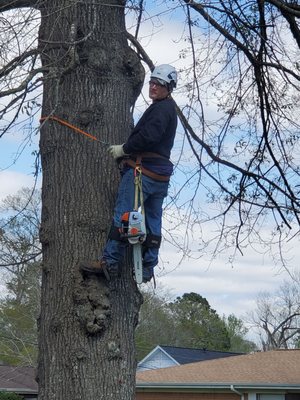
column 278, row 367
column 185, row 355
column 18, row 379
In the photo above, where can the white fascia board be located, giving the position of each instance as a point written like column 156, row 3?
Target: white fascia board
column 18, row 390
column 218, row 386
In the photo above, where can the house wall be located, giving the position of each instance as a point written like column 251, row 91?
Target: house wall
column 187, row 396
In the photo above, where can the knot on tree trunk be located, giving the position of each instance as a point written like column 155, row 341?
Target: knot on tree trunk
column 92, row 304
column 114, row 349
column 133, row 70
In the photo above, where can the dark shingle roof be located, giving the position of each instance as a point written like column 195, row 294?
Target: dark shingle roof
column 19, row 379
column 185, row 355
column 276, row 367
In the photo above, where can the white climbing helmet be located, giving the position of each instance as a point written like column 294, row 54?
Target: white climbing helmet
column 167, row 74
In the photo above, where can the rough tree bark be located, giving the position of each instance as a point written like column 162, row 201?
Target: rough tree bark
column 92, row 78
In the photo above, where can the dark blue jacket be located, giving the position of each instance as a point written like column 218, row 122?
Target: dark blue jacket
column 155, row 133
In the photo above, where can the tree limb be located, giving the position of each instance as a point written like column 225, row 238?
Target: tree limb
column 9, row 67
column 144, row 56
column 283, row 6
column 201, row 10
column 23, row 84
column 7, row 5
column 22, row 261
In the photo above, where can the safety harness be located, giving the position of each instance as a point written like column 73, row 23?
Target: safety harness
column 131, row 218
column 136, row 161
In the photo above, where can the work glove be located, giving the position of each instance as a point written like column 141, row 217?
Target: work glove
column 116, row 150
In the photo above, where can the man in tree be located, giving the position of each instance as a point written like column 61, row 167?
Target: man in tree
column 150, row 142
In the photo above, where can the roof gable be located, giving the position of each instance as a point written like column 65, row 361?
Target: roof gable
column 157, row 358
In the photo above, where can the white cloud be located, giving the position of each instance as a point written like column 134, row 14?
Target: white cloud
column 11, row 182
column 227, row 289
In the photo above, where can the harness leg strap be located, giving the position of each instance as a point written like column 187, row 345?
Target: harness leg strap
column 114, row 234
column 152, row 241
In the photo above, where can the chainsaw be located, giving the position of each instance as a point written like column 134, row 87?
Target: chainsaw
column 133, row 228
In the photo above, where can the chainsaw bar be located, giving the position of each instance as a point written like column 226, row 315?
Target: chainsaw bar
column 138, row 262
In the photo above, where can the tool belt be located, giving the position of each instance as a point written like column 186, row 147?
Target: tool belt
column 137, row 160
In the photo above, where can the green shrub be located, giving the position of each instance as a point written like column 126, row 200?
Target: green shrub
column 10, row 396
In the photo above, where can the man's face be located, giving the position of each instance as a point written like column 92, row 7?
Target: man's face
column 157, row 91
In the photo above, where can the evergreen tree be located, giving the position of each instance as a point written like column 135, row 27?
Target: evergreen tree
column 199, row 324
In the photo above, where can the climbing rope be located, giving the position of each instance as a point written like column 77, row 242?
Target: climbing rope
column 138, row 186
column 138, row 190
column 73, row 127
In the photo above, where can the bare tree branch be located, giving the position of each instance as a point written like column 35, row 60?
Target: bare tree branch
column 201, row 10
column 23, row 84
column 7, row 5
column 287, row 7
column 10, row 66
column 22, row 261
column 140, row 50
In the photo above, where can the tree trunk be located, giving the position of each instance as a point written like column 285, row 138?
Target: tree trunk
column 86, row 327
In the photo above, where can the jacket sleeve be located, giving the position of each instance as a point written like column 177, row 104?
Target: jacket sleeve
column 149, row 130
